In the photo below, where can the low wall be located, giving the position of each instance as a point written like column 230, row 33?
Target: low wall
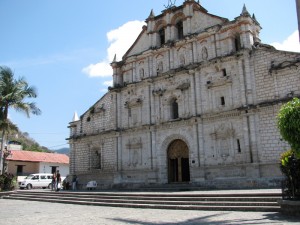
column 290, row 207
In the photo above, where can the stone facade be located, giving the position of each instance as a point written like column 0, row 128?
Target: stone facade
column 194, row 100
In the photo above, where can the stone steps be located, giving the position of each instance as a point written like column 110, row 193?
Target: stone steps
column 264, row 202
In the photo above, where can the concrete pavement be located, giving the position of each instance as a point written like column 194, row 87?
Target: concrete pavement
column 15, row 212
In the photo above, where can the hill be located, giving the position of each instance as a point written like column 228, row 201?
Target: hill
column 63, row 151
column 28, row 143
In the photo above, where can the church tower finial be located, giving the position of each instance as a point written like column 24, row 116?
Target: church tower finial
column 152, row 15
column 245, row 11
column 115, row 58
column 75, row 117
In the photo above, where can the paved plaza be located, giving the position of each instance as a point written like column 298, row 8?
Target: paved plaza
column 15, row 212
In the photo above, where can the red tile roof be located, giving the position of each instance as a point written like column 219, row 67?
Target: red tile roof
column 29, row 156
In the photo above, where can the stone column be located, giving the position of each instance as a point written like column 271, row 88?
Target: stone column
column 253, row 137
column 243, row 87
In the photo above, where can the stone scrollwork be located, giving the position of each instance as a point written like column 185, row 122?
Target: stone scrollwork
column 283, row 65
column 159, row 92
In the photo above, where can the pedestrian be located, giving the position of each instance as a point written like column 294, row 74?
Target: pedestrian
column 74, row 182
column 53, row 183
column 58, row 180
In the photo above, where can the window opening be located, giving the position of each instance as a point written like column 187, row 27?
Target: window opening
column 237, row 43
column 20, row 169
column 239, row 145
column 161, row 33
column 53, row 169
column 222, row 101
column 160, row 67
column 224, row 72
column 175, row 114
column 179, row 27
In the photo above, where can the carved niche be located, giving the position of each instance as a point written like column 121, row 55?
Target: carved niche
column 222, row 137
column 134, row 147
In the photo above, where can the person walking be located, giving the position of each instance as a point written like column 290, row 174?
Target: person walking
column 74, row 182
column 58, row 180
column 53, row 183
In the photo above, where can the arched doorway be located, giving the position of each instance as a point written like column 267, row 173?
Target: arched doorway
column 178, row 162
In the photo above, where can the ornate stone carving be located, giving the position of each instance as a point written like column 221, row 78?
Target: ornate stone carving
column 159, row 92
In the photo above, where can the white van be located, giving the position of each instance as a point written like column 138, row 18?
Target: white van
column 38, row 180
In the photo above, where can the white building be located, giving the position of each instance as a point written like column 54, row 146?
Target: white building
column 193, row 100
column 22, row 163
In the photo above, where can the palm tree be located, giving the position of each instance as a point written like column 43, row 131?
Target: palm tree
column 13, row 94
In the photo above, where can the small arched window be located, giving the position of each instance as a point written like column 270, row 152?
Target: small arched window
column 174, row 109
column 204, row 53
column 142, row 73
column 181, row 60
column 160, row 67
column 179, row 27
column 162, row 38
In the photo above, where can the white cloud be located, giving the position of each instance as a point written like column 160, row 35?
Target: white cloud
column 102, row 69
column 108, row 83
column 120, row 41
column 291, row 43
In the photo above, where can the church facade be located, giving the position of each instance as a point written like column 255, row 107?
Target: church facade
column 194, row 100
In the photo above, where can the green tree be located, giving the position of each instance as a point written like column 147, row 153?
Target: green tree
column 14, row 94
column 289, row 123
column 289, row 126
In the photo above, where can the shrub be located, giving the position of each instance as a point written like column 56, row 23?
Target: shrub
column 7, row 182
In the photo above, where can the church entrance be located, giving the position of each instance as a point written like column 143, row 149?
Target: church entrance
column 178, row 162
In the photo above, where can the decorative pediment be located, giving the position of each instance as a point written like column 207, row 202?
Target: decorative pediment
column 221, row 81
column 134, row 143
column 184, row 86
column 223, row 132
column 133, row 103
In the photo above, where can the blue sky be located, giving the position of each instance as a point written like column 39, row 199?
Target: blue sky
column 63, row 48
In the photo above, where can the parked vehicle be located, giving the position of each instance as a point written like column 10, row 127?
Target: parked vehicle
column 39, row 180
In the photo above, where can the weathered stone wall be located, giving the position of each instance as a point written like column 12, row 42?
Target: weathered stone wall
column 217, row 90
column 276, row 74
